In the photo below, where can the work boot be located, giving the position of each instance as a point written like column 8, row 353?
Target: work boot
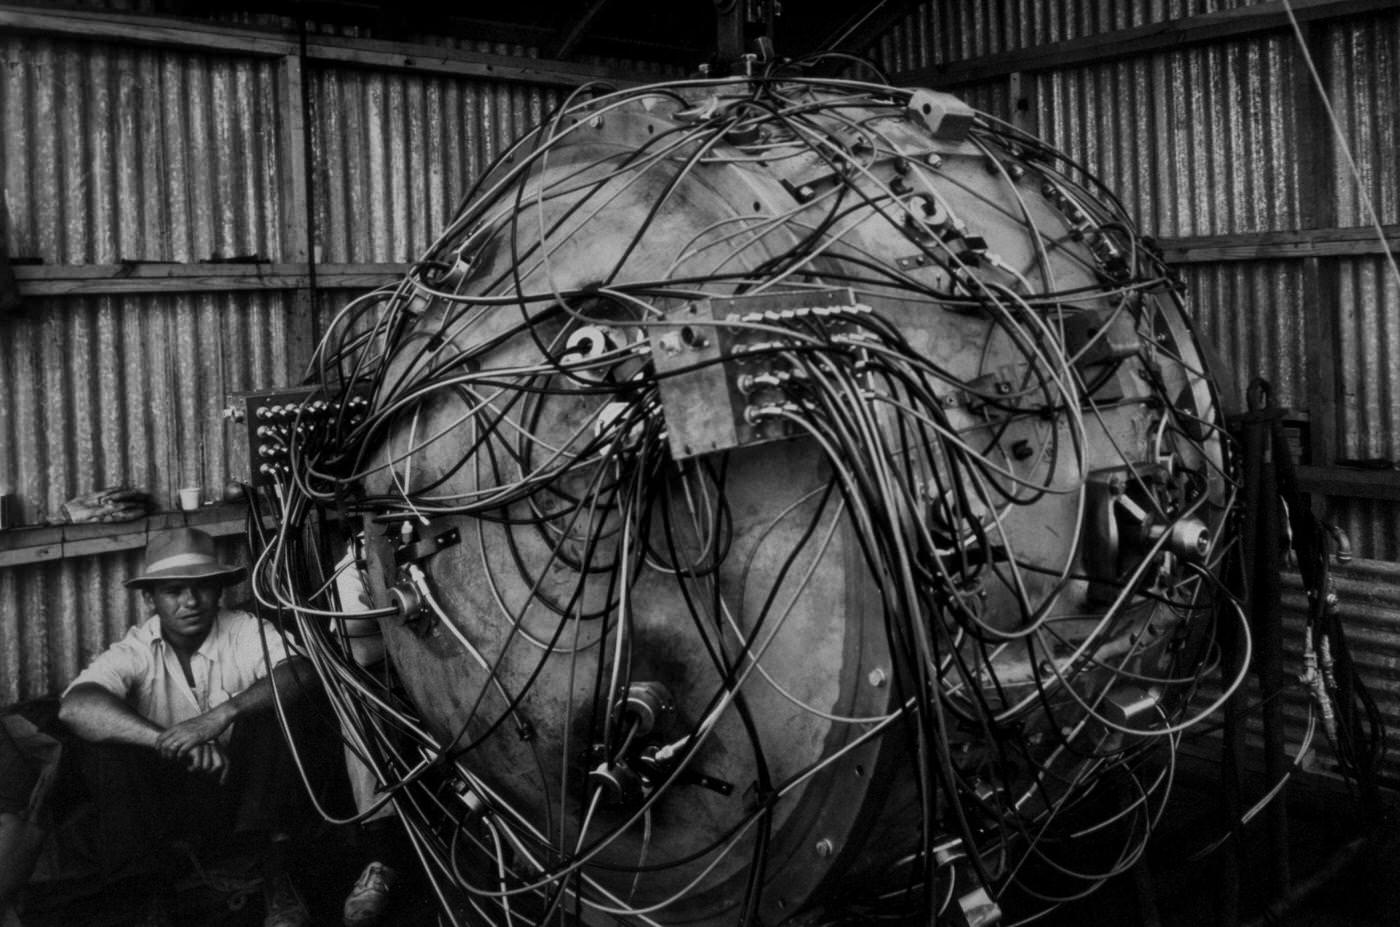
column 285, row 907
column 369, row 899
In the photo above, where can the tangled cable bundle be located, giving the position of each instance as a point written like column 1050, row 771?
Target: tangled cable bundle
column 781, row 500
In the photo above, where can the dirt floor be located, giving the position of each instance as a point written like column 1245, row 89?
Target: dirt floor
column 1352, row 885
column 1173, row 889
column 227, row 891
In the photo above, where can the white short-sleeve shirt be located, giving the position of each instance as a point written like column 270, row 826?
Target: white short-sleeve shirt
column 143, row 670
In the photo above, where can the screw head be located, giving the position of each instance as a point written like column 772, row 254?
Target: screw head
column 877, row 677
column 825, row 847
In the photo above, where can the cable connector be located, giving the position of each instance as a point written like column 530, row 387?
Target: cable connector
column 976, row 909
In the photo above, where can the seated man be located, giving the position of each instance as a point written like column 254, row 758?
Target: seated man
column 166, row 759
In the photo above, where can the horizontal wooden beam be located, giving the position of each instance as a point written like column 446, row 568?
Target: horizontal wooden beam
column 126, row 279
column 1303, row 243
column 434, row 59
column 43, row 543
column 1350, row 483
column 1141, row 40
column 166, row 32
column 196, row 36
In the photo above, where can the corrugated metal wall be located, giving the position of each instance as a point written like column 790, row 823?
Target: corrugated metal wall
column 1364, row 84
column 1211, row 140
column 129, row 390
column 1369, row 592
column 118, row 153
column 113, row 152
column 1195, row 142
column 1223, row 138
column 959, row 30
column 395, row 152
column 1363, row 81
column 1250, row 314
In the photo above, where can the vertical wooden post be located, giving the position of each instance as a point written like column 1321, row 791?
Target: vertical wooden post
column 296, row 215
column 1317, row 201
column 1022, row 114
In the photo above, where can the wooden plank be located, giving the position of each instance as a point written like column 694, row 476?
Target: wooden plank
column 1140, row 40
column 298, row 213
column 162, row 31
column 35, row 536
column 105, row 544
column 1350, row 483
column 1321, row 309
column 20, row 556
column 292, row 136
column 117, row 279
column 434, row 59
column 1018, row 91
column 1322, row 300
column 80, row 282
column 54, row 535
column 193, row 35
column 1303, row 243
column 22, row 546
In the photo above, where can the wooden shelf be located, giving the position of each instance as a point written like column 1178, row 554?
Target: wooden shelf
column 38, row 544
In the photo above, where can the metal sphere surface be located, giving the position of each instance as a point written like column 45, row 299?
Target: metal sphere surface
column 807, row 494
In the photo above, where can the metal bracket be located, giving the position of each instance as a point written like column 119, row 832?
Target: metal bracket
column 418, row 551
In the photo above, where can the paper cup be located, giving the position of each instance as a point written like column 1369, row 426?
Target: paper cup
column 189, row 498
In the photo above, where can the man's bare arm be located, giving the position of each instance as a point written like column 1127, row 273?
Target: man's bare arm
column 94, row 713
column 288, row 679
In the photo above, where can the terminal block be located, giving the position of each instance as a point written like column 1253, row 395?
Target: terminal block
column 277, row 419
column 723, row 379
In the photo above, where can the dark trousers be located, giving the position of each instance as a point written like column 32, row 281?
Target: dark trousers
column 141, row 806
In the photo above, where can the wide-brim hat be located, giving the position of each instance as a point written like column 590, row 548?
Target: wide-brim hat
column 185, row 553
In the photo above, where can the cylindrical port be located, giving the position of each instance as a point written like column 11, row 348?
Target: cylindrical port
column 406, row 599
column 649, row 705
column 619, row 783
column 1190, row 539
column 946, row 851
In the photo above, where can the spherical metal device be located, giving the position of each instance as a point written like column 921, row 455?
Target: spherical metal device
column 808, row 493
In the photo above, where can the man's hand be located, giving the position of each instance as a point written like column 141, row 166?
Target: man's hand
column 180, row 740
column 208, row 758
